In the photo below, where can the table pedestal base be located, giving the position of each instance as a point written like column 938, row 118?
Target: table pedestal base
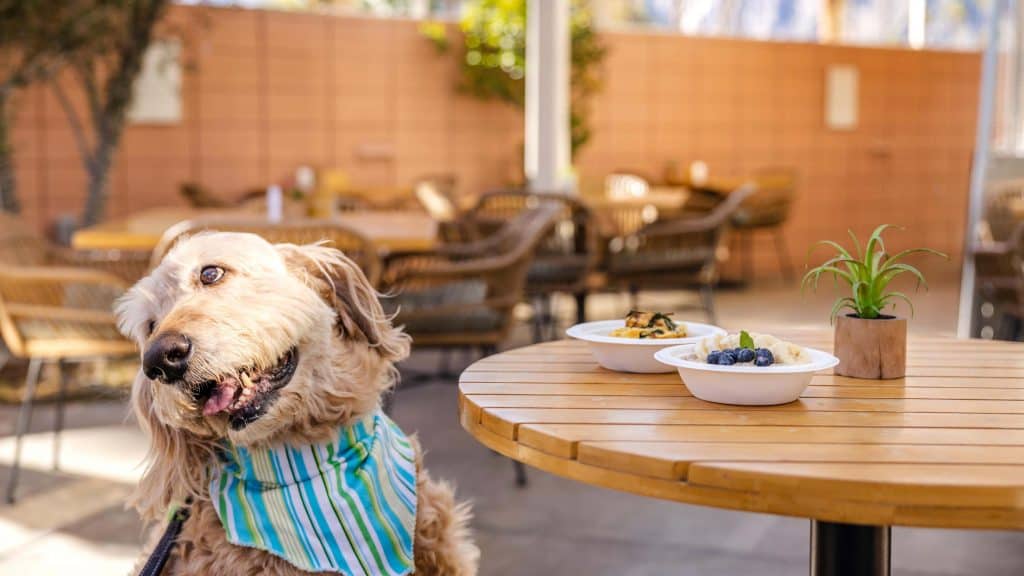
column 849, row 549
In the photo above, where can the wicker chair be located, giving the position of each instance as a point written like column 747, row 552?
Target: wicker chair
column 767, row 209
column 60, row 315
column 353, row 243
column 463, row 295
column 674, row 253
column 566, row 257
column 22, row 246
column 999, row 264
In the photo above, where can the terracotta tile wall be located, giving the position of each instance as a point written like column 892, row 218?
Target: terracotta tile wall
column 267, row 91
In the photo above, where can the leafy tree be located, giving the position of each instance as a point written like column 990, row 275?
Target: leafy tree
column 36, row 36
column 105, row 71
column 494, row 57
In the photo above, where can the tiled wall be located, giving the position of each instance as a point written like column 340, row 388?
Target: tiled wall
column 266, row 91
column 741, row 105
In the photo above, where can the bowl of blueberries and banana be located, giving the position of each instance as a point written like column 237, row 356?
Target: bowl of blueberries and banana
column 746, row 368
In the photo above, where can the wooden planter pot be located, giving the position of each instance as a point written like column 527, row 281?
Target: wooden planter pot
column 875, row 349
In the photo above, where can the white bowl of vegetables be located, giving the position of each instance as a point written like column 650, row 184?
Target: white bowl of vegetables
column 629, row 345
column 746, row 369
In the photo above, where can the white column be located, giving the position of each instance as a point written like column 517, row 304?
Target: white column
column 547, row 163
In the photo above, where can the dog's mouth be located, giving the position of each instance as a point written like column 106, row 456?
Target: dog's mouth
column 247, row 395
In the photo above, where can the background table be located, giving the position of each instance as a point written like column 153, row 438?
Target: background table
column 943, row 447
column 391, row 230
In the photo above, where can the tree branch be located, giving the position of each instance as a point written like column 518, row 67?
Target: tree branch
column 81, row 140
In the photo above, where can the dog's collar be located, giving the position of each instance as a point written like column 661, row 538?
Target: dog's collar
column 347, row 505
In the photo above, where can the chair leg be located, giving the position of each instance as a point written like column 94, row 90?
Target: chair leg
column 538, row 319
column 58, row 414
column 550, row 319
column 35, row 365
column 785, row 263
column 581, row 307
column 707, row 299
column 444, row 368
column 520, row 470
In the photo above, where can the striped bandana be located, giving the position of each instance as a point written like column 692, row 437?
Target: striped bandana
column 345, row 506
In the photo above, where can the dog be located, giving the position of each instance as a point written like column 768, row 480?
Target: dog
column 258, row 358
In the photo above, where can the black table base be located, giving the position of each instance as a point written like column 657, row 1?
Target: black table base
column 849, row 549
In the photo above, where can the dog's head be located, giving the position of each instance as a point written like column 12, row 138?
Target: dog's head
column 253, row 342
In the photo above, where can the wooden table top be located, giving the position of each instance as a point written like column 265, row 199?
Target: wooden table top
column 942, row 447
column 395, row 231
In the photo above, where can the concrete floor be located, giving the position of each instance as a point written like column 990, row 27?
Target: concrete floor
column 73, row 521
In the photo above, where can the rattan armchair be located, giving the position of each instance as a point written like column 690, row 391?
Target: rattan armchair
column 59, row 315
column 22, row 246
column 766, row 210
column 566, row 257
column 998, row 256
column 675, row 253
column 463, row 295
column 353, row 243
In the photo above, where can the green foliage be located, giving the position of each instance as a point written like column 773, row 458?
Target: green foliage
column 494, row 57
column 868, row 271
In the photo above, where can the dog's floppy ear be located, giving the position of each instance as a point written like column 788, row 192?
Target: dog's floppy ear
column 177, row 459
column 342, row 284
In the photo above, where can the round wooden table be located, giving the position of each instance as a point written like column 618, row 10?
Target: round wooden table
column 943, row 447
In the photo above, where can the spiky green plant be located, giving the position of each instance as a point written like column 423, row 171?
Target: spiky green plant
column 868, row 270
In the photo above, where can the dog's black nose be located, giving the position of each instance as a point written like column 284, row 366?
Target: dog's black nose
column 167, row 357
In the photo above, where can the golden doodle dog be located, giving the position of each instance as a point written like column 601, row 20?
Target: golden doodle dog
column 263, row 369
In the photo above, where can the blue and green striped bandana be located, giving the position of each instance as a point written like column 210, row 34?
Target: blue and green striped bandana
column 345, row 506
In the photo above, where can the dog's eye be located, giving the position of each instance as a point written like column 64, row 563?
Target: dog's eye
column 210, row 275
column 150, row 327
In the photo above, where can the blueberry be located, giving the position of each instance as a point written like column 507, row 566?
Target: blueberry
column 745, row 355
column 763, row 357
column 727, row 358
column 713, row 357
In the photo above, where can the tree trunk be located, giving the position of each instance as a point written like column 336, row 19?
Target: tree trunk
column 98, row 172
column 8, row 184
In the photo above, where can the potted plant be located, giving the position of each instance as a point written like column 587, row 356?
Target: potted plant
column 868, row 342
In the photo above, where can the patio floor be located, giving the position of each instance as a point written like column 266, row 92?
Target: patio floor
column 74, row 520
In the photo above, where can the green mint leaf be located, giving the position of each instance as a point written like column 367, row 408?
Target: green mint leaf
column 745, row 340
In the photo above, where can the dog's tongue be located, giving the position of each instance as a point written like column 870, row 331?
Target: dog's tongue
column 222, row 397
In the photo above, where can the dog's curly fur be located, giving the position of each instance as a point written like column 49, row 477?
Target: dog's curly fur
column 271, row 298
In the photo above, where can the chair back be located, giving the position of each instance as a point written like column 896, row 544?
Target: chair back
column 770, row 205
column 567, row 253
column 57, row 305
column 19, row 244
column 682, row 247
column 353, row 243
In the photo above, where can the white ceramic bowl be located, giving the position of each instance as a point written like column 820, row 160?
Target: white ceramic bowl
column 745, row 385
column 633, row 354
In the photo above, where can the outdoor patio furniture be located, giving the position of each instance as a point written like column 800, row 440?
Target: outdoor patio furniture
column 22, row 246
column 677, row 253
column 854, row 458
column 566, row 257
column 463, row 295
column 400, row 231
column 999, row 263
column 766, row 210
column 53, row 314
column 353, row 243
